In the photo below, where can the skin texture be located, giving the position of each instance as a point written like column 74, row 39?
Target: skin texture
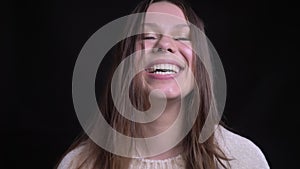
column 166, row 40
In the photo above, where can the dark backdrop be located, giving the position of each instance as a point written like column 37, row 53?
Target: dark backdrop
column 256, row 41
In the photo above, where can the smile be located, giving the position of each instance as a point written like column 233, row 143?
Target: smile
column 163, row 69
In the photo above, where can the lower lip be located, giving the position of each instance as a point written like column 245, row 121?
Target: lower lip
column 161, row 76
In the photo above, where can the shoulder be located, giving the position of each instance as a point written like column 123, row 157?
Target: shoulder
column 69, row 160
column 243, row 152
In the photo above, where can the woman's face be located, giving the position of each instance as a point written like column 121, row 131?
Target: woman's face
column 167, row 55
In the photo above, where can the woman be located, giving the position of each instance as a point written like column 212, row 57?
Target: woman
column 164, row 64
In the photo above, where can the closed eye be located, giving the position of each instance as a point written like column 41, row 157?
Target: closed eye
column 149, row 36
column 182, row 38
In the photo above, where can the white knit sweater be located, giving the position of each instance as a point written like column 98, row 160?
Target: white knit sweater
column 245, row 155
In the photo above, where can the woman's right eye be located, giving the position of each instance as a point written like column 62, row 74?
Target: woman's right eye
column 149, row 36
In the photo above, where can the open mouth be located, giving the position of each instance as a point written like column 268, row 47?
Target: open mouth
column 163, row 69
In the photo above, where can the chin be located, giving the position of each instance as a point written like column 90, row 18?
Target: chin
column 169, row 92
column 172, row 95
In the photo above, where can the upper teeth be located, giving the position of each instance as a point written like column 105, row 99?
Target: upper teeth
column 164, row 68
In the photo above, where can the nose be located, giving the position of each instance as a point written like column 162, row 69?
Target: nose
column 166, row 44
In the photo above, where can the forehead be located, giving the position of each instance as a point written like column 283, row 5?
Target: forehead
column 165, row 13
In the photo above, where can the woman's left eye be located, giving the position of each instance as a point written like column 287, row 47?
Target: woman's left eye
column 182, row 38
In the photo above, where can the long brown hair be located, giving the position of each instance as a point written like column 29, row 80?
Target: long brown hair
column 206, row 155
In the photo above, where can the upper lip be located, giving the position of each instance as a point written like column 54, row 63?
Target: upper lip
column 165, row 61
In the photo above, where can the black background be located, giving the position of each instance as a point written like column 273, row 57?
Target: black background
column 256, row 41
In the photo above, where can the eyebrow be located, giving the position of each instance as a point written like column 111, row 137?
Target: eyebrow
column 156, row 25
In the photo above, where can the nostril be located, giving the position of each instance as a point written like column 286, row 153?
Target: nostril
column 170, row 50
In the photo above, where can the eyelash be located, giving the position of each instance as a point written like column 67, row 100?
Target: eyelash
column 149, row 38
column 145, row 37
column 182, row 38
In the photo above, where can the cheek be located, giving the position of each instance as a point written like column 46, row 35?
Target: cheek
column 187, row 52
column 138, row 45
column 140, row 49
column 148, row 44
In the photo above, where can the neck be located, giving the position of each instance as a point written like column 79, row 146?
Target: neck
column 161, row 124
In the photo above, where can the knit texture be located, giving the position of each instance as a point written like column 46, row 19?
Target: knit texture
column 243, row 152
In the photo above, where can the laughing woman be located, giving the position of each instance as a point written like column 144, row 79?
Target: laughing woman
column 168, row 74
